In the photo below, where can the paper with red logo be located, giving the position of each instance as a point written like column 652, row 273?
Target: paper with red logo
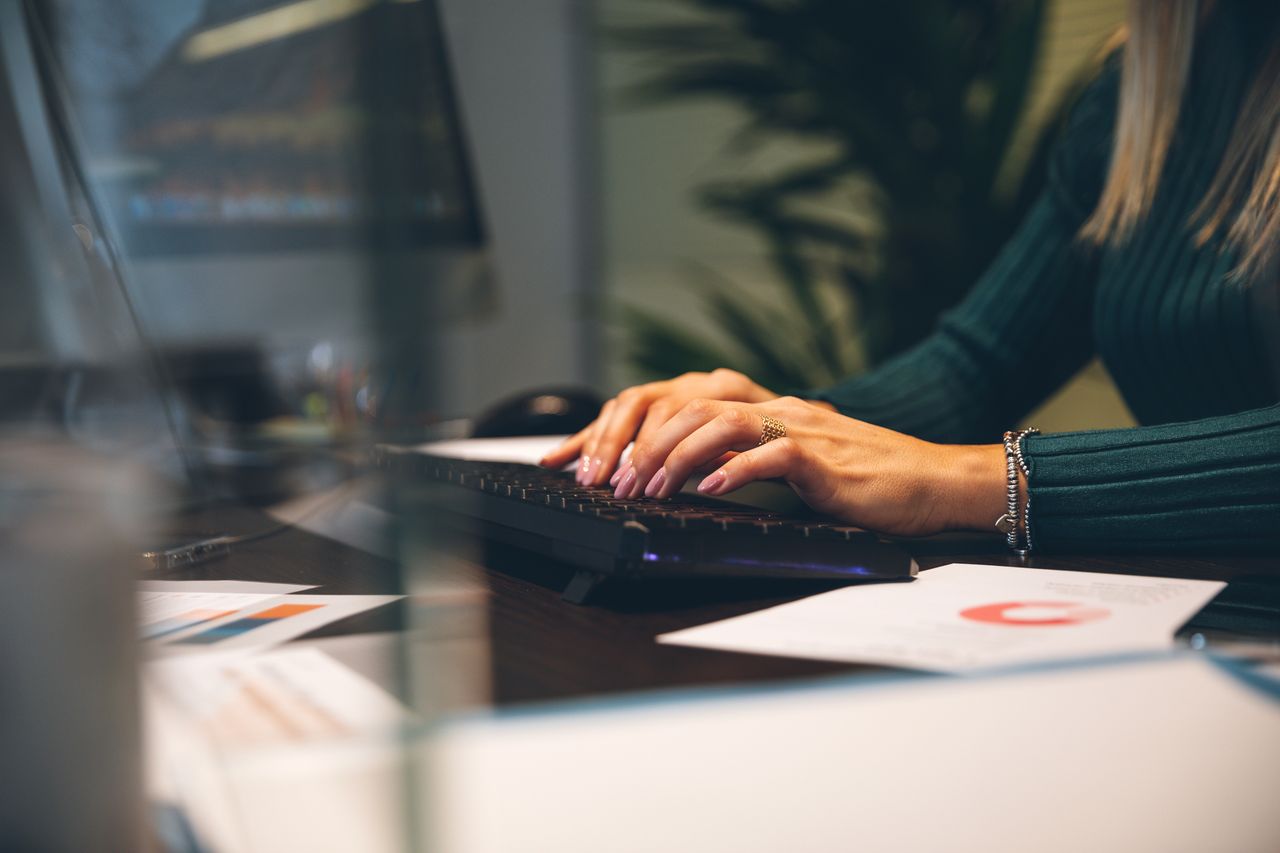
column 963, row 617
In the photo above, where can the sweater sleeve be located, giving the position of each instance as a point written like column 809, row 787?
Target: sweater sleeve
column 1014, row 340
column 1194, row 485
column 1211, row 483
column 1024, row 329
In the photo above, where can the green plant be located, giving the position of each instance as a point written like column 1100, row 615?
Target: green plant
column 915, row 103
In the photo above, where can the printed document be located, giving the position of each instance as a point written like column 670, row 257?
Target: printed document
column 188, row 616
column 291, row 694
column 960, row 617
column 168, row 607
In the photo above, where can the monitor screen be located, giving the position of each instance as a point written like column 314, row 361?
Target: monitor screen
column 265, row 167
column 277, row 192
column 243, row 134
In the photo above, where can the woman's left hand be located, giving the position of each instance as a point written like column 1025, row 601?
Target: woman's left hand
column 866, row 475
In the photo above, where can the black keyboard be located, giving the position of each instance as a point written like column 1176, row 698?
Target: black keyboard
column 603, row 537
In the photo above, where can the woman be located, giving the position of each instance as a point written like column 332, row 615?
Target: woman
column 1158, row 231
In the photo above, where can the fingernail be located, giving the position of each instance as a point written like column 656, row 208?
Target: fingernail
column 711, row 484
column 656, row 484
column 619, row 474
column 594, row 471
column 626, row 484
column 581, row 474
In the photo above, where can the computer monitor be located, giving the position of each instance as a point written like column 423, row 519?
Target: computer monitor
column 231, row 156
column 286, row 193
column 71, row 358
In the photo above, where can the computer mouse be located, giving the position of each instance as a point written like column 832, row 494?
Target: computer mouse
column 546, row 411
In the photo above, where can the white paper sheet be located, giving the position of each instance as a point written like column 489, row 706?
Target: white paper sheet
column 204, row 712
column 1170, row 754
column 265, row 621
column 167, row 608
column 963, row 617
column 294, row 694
column 523, row 449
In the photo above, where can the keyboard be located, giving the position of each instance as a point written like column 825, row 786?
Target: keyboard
column 606, row 538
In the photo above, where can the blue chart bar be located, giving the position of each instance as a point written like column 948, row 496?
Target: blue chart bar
column 174, row 624
column 219, row 633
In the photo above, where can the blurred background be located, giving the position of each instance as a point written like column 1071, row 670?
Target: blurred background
column 632, row 189
column 794, row 188
column 797, row 189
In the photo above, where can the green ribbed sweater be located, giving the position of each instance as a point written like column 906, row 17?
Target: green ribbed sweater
column 1188, row 347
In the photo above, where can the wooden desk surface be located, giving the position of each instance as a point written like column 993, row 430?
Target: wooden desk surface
column 544, row 648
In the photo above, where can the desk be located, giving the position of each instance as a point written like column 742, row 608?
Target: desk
column 544, row 648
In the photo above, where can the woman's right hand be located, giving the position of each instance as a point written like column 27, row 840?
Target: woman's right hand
column 639, row 411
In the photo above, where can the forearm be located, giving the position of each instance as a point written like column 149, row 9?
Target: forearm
column 1212, row 483
column 1021, row 333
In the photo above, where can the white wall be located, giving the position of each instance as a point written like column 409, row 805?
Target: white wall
column 522, row 69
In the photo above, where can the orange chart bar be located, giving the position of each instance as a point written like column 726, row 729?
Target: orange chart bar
column 237, row 627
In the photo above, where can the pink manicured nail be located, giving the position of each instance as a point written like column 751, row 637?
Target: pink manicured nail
column 594, row 471
column 711, row 484
column 581, row 474
column 626, row 484
column 619, row 474
column 655, row 485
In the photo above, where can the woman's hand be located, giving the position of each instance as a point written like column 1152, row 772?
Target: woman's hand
column 869, row 476
column 638, row 412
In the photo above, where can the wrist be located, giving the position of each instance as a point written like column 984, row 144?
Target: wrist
column 976, row 492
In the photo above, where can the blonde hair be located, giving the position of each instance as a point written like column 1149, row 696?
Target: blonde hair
column 1244, row 197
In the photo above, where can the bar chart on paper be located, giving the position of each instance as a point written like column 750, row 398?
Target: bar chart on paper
column 181, row 622
column 237, row 627
column 187, row 616
column 167, row 612
column 289, row 694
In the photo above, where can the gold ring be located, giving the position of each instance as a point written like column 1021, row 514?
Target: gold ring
column 772, row 429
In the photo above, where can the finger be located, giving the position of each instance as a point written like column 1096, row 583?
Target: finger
column 649, row 456
column 714, row 465
column 623, row 468
column 660, row 411
column 570, row 449
column 619, row 429
column 700, row 470
column 735, row 428
column 778, row 458
column 590, row 467
column 584, row 461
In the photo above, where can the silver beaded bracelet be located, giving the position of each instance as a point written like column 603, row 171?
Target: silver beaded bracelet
column 1008, row 523
column 1026, row 474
